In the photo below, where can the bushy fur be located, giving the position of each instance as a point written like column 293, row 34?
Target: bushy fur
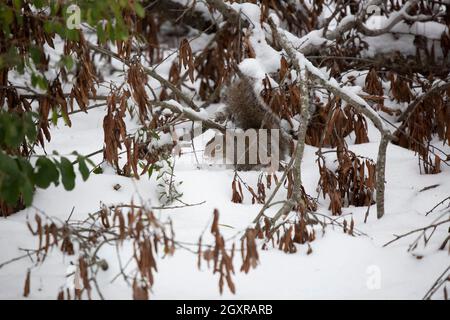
column 247, row 111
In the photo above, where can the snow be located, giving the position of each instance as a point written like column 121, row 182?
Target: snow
column 200, row 6
column 400, row 38
column 260, row 65
column 339, row 267
column 350, row 91
column 201, row 115
column 253, row 68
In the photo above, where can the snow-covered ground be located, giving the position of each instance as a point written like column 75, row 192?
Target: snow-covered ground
column 340, row 266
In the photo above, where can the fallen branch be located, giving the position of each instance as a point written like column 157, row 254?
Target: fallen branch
column 430, row 211
column 129, row 206
column 443, row 278
column 422, row 231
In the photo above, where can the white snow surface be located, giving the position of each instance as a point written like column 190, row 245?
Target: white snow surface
column 340, row 266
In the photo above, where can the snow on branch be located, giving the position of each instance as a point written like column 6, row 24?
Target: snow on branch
column 357, row 21
column 302, row 64
column 329, row 83
column 192, row 115
column 317, row 38
column 227, row 12
column 316, row 75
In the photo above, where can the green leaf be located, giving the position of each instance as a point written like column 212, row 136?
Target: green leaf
column 82, row 167
column 150, row 170
column 27, row 192
column 48, row 27
column 14, row 128
column 38, row 3
column 17, row 4
column 140, row 11
column 35, row 54
column 68, row 62
column 30, row 127
column 10, row 190
column 10, row 179
column 6, row 16
column 39, row 81
column 17, row 7
column 47, row 173
column 67, row 173
column 101, row 34
column 54, row 116
column 154, row 135
column 26, row 168
column 11, row 130
column 98, row 170
column 8, row 164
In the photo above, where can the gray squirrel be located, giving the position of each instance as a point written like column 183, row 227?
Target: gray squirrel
column 247, row 111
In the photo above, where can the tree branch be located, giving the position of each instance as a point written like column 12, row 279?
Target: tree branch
column 412, row 107
column 380, row 174
column 230, row 15
column 421, row 230
column 150, row 72
column 360, row 104
column 193, row 116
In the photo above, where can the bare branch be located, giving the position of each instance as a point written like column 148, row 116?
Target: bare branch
column 421, row 230
column 412, row 107
column 443, row 278
column 381, row 172
column 357, row 21
column 352, row 99
column 193, row 116
column 150, row 72
column 230, row 15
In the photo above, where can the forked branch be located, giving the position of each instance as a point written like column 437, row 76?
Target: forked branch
column 299, row 61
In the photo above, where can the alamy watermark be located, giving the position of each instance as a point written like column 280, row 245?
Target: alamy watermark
column 236, row 147
column 73, row 17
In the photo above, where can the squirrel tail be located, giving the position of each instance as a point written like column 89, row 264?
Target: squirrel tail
column 247, row 109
